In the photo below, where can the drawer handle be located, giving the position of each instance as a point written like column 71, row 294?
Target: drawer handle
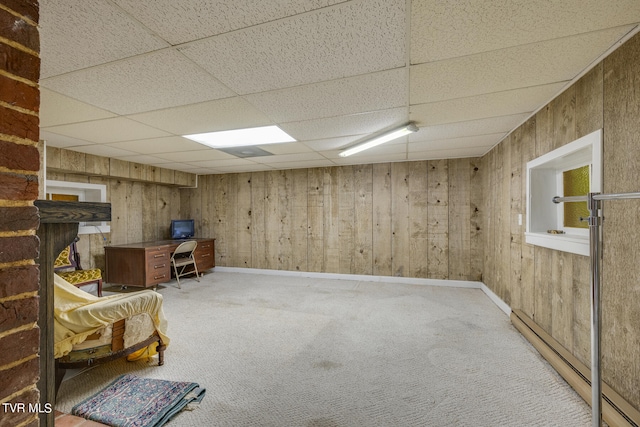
column 159, row 265
column 205, row 255
column 160, row 277
column 159, row 256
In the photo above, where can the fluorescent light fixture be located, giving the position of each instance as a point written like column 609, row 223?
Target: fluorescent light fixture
column 385, row 137
column 242, row 137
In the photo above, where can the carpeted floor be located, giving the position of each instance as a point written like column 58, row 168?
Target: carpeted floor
column 291, row 351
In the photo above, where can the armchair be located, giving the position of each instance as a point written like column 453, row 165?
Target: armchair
column 89, row 330
column 67, row 265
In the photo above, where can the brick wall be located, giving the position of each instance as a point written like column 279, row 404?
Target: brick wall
column 19, row 166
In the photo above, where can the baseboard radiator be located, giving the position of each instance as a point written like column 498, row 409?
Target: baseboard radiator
column 615, row 410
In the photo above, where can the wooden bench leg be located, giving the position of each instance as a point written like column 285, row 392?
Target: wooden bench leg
column 160, row 349
column 59, row 376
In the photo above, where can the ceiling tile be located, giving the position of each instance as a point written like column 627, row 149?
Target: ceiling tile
column 217, row 164
column 525, row 100
column 365, row 93
column 102, row 150
column 303, row 164
column 57, row 109
column 160, row 145
column 521, row 66
column 286, row 148
column 355, row 124
column 332, row 143
column 108, row 130
column 456, row 143
column 245, row 168
column 81, row 34
column 199, row 171
column 176, row 166
column 222, row 114
column 288, row 158
column 486, row 126
column 196, row 156
column 441, row 30
column 60, row 141
column 153, row 81
column 456, row 153
column 185, row 20
column 356, row 37
column 380, row 158
column 143, row 159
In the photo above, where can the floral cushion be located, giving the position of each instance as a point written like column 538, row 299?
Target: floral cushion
column 64, row 259
column 81, row 276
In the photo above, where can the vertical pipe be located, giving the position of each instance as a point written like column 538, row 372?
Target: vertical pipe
column 594, row 240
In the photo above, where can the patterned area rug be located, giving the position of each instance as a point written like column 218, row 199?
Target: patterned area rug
column 130, row 401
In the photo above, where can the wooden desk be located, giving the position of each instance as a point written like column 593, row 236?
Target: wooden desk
column 147, row 264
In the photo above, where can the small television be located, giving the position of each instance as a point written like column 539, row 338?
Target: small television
column 182, row 228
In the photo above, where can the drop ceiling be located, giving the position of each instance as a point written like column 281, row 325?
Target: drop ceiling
column 126, row 78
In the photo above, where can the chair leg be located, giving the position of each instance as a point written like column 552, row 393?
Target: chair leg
column 100, row 287
column 175, row 269
column 195, row 267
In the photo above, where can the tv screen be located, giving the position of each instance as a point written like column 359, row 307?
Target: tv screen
column 182, row 229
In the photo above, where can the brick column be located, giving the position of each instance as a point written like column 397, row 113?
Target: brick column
column 19, row 166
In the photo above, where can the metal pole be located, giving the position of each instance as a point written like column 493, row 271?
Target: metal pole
column 594, row 240
column 595, row 222
column 616, row 196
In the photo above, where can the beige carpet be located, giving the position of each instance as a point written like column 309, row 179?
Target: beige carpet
column 291, row 351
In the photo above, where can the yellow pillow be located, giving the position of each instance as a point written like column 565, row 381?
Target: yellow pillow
column 64, row 259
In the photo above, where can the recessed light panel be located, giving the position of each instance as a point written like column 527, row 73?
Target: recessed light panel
column 242, row 137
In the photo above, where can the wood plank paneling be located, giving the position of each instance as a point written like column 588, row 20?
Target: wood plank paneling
column 400, row 219
column 331, row 252
column 244, row 218
column 516, row 209
column 381, row 205
column 168, row 208
column 315, row 211
column 383, row 219
column 150, row 218
column 552, row 287
column 438, row 219
column 418, row 220
column 346, row 233
column 118, row 199
column 219, row 211
column 363, row 219
column 476, row 209
column 258, row 217
column 271, row 221
column 527, row 135
column 299, row 220
column 459, row 219
column 621, row 230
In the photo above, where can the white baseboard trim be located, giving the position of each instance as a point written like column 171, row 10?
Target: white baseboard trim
column 386, row 279
column 496, row 299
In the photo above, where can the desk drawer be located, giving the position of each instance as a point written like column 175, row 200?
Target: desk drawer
column 158, row 268
column 204, row 255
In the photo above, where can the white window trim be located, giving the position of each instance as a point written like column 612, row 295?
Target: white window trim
column 86, row 193
column 544, row 181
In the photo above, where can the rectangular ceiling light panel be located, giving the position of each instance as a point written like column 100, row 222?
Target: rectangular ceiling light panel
column 242, row 137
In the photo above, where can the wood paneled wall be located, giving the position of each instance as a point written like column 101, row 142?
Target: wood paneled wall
column 552, row 287
column 409, row 219
column 141, row 211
